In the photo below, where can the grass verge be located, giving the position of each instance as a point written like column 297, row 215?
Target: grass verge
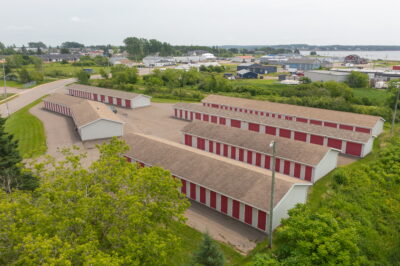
column 28, row 130
column 192, row 240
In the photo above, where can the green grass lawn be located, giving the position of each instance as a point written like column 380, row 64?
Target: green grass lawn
column 192, row 240
column 165, row 100
column 2, row 96
column 378, row 96
column 67, row 69
column 28, row 130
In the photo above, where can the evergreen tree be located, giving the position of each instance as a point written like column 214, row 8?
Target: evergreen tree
column 11, row 174
column 209, row 253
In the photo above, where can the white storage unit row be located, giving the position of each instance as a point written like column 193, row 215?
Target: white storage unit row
column 301, row 160
column 109, row 96
column 228, row 187
column 348, row 142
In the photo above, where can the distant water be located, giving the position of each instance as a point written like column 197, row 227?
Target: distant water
column 374, row 55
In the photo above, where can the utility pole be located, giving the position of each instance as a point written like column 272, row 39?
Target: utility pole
column 271, row 206
column 5, row 87
column 395, row 107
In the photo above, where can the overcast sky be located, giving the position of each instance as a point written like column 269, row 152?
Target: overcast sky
column 203, row 22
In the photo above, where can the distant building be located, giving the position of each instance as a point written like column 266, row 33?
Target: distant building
column 247, row 74
column 158, row 61
column 302, row 63
column 396, row 67
column 59, row 57
column 324, row 75
column 258, row 68
column 243, row 59
column 355, row 59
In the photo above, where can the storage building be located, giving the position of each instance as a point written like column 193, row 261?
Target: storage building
column 303, row 160
column 92, row 120
column 229, row 187
column 348, row 142
column 325, row 75
column 316, row 116
column 109, row 96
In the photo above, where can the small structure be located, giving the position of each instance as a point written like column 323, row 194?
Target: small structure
column 298, row 159
column 325, row 75
column 302, row 63
column 355, row 59
column 247, row 74
column 232, row 188
column 257, row 68
column 48, row 58
column 114, row 97
column 93, row 120
column 158, row 61
column 396, row 67
column 243, row 59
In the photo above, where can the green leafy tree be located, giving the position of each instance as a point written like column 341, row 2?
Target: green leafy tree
column 263, row 259
column 83, row 77
column 111, row 213
column 209, row 253
column 64, row 50
column 317, row 238
column 357, row 80
column 12, row 174
column 24, row 76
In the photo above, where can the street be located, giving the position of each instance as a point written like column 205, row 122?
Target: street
column 30, row 95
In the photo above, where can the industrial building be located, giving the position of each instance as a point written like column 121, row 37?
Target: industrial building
column 109, row 96
column 325, row 75
column 316, row 116
column 348, row 142
column 92, row 120
column 238, row 190
column 302, row 160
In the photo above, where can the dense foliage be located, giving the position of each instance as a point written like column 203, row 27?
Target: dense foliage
column 355, row 222
column 12, row 174
column 112, row 213
column 357, row 80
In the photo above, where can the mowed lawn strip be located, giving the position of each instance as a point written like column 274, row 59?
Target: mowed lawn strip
column 28, row 130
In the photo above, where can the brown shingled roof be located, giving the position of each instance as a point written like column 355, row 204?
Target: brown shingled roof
column 63, row 99
column 281, row 123
column 103, row 91
column 246, row 183
column 347, row 118
column 307, row 153
column 86, row 112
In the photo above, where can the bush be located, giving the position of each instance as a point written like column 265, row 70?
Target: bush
column 357, row 80
column 83, row 77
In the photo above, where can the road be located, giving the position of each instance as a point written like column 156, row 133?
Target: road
column 30, row 95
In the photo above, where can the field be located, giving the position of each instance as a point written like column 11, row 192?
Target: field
column 192, row 239
column 29, row 132
column 375, row 95
column 67, row 70
column 18, row 85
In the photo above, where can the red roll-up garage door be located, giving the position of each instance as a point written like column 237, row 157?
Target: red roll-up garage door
column 249, row 157
column 258, row 159
column 300, row 136
column 270, row 130
column 214, row 119
column 128, row 103
column 241, row 155
column 297, row 170
column 224, row 204
column 205, row 117
column 235, row 123
column 213, row 199
column 267, row 162
column 233, row 153
column 95, row 96
column 353, row 148
column 248, row 214
column 110, row 100
column 235, row 209
column 222, row 121
column 286, row 167
column 183, row 189
column 328, row 124
column 188, row 140
column 193, row 191
column 202, row 195
column 345, row 127
column 317, row 139
column 225, row 150
column 210, row 146
column 335, row 143
column 308, row 175
column 254, row 127
column 262, row 219
column 198, row 116
column 103, row 98
column 284, row 133
column 277, row 164
column 119, row 101
column 201, row 144
column 363, row 130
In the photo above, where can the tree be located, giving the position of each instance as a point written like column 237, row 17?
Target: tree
column 111, row 213
column 64, row 50
column 37, row 45
column 24, row 76
column 72, row 45
column 209, row 253
column 357, row 80
column 83, row 77
column 12, row 175
column 313, row 53
column 317, row 238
